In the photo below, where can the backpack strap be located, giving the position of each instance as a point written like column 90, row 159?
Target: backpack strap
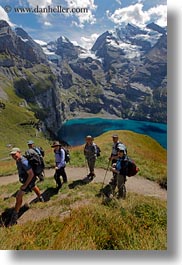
column 95, row 147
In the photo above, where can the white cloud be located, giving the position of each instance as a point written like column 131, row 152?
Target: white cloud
column 118, row 1
column 136, row 15
column 81, row 3
column 47, row 23
column 160, row 14
column 4, row 16
column 87, row 42
column 40, row 3
column 83, row 17
column 43, row 17
column 131, row 14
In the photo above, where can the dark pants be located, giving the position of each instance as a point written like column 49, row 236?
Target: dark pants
column 117, row 181
column 60, row 172
column 91, row 164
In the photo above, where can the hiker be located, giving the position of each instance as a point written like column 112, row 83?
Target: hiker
column 60, row 164
column 38, row 150
column 27, row 178
column 114, row 158
column 116, row 143
column 90, row 153
column 119, row 169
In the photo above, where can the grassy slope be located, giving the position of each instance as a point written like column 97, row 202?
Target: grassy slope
column 149, row 156
column 11, row 131
column 75, row 219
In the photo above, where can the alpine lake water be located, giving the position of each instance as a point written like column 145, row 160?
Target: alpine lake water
column 74, row 131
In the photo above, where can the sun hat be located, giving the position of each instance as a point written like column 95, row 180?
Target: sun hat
column 56, row 143
column 14, row 150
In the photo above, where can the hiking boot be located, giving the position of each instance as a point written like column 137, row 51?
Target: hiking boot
column 58, row 188
column 41, row 199
column 41, row 179
column 14, row 219
column 91, row 176
column 65, row 182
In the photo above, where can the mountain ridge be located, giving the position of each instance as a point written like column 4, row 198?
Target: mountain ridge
column 124, row 74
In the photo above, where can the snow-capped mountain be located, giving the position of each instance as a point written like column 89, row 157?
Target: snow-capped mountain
column 123, row 75
column 128, row 42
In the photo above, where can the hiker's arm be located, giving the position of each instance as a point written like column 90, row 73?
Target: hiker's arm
column 113, row 169
column 29, row 178
column 85, row 151
column 113, row 157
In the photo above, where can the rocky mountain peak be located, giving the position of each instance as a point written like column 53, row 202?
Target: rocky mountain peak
column 156, row 27
column 19, row 43
column 4, row 24
column 22, row 33
column 65, row 48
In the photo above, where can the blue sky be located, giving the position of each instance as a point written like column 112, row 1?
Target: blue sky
column 82, row 28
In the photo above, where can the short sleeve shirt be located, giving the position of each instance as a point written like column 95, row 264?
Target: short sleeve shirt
column 23, row 166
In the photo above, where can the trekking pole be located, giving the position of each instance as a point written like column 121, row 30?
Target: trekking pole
column 105, row 174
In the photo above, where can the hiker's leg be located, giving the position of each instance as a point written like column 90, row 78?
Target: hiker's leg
column 41, row 176
column 92, row 166
column 107, row 190
column 19, row 200
column 57, row 178
column 37, row 191
column 120, row 183
column 14, row 216
column 88, row 162
column 63, row 174
column 113, row 182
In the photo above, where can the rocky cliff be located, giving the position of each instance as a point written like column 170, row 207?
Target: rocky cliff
column 25, row 72
column 123, row 75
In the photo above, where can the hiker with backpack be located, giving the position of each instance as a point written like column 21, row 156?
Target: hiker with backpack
column 34, row 151
column 120, row 170
column 90, row 153
column 114, row 157
column 27, row 178
column 114, row 153
column 60, row 164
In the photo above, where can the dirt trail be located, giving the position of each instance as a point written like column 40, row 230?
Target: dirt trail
column 135, row 184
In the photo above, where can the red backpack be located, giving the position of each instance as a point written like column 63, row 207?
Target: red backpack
column 128, row 167
column 132, row 168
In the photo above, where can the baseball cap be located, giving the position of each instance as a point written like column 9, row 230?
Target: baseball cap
column 30, row 142
column 114, row 136
column 89, row 137
column 121, row 147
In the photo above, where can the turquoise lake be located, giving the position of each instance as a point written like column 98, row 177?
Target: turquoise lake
column 74, row 131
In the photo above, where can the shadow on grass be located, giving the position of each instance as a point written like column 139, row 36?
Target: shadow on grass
column 5, row 217
column 12, row 195
column 47, row 194
column 79, row 182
